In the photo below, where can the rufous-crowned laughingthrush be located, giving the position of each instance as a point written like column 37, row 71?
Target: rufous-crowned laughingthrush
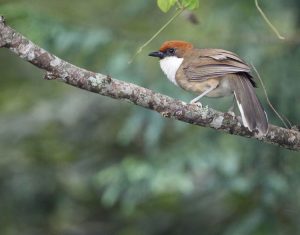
column 213, row 73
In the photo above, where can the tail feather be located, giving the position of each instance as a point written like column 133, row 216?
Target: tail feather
column 252, row 112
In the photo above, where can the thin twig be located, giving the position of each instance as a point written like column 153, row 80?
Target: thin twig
column 287, row 120
column 179, row 11
column 179, row 4
column 268, row 21
column 267, row 97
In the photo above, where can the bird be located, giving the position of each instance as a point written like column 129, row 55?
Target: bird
column 213, row 73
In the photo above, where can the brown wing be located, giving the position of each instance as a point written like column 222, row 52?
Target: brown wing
column 212, row 63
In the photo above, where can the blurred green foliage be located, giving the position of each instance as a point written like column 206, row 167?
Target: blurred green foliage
column 75, row 163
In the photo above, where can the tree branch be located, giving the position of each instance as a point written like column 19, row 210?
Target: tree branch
column 57, row 68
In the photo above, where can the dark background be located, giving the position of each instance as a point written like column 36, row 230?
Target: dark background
column 74, row 163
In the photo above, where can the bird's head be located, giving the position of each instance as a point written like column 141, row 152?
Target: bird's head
column 173, row 48
column 171, row 55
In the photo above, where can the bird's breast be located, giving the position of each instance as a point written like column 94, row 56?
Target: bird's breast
column 169, row 66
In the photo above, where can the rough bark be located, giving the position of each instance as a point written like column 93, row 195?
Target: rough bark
column 57, row 68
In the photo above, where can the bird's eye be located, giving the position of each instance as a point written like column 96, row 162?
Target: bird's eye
column 171, row 50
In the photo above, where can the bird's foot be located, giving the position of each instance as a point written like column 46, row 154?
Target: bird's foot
column 231, row 113
column 197, row 104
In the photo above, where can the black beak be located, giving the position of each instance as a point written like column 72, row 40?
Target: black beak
column 158, row 54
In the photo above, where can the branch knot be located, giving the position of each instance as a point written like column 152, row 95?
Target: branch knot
column 2, row 19
column 3, row 36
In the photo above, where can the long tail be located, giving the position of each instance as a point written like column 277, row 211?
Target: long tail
column 252, row 112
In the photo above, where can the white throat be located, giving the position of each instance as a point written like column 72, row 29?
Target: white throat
column 169, row 66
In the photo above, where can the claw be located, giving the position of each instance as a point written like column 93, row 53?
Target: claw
column 197, row 103
column 231, row 113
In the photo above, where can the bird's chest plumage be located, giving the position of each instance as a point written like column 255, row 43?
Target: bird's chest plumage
column 169, row 66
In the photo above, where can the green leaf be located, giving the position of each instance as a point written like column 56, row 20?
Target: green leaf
column 190, row 4
column 165, row 5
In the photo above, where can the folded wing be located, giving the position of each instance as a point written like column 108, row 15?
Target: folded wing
column 212, row 63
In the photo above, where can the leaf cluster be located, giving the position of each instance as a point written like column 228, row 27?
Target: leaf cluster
column 166, row 5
